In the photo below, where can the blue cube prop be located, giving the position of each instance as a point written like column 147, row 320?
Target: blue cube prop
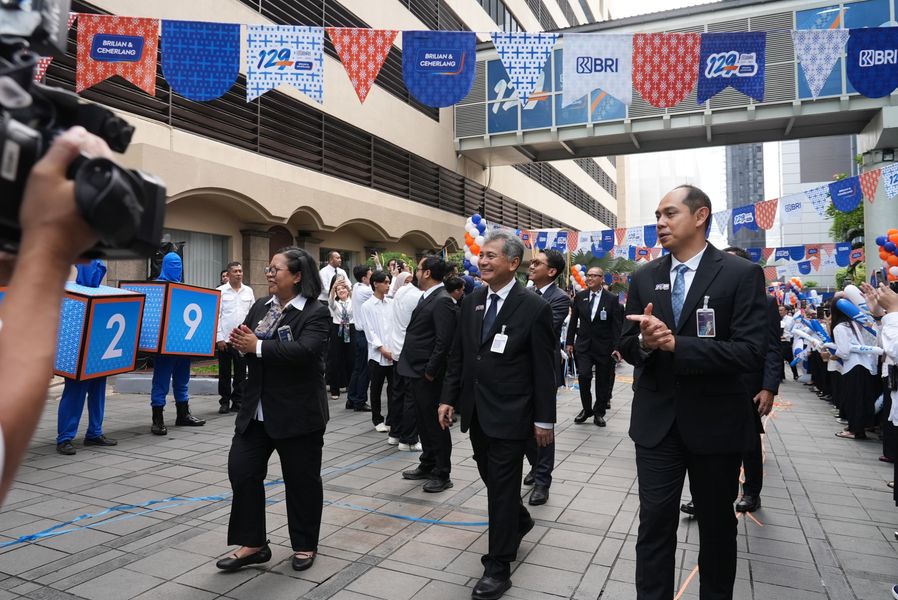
column 98, row 331
column 179, row 319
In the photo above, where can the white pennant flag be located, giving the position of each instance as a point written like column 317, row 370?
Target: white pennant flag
column 818, row 197
column 890, row 180
column 634, row 237
column 524, row 57
column 817, row 51
column 722, row 219
column 791, row 208
column 598, row 61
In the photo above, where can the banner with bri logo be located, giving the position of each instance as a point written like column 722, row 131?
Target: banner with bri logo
column 285, row 54
column 598, row 61
column 872, row 60
column 732, row 60
column 438, row 66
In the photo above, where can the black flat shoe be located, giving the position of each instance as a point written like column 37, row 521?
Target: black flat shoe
column 100, row 440
column 581, row 417
column 66, row 448
column 416, row 473
column 600, row 421
column 301, row 564
column 539, row 495
column 748, row 503
column 223, row 409
column 362, row 408
column 490, row 588
column 437, row 485
column 688, row 508
column 528, row 479
column 231, row 563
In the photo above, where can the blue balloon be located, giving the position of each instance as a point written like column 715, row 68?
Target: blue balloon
column 890, row 247
column 881, row 240
column 467, row 264
column 475, row 218
column 481, row 227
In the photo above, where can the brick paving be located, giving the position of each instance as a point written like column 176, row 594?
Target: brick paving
column 825, row 529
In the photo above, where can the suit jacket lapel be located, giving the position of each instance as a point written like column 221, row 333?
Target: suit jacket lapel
column 662, row 307
column 708, row 268
column 421, row 305
column 479, row 298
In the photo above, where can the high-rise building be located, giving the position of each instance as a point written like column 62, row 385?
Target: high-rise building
column 745, row 185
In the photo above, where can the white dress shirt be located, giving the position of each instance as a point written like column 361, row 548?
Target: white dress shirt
column 298, row 302
column 235, row 304
column 327, row 273
column 689, row 275
column 361, row 293
column 378, row 317
column 845, row 335
column 403, row 304
column 595, row 305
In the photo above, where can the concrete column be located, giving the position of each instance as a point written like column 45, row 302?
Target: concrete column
column 879, row 216
column 255, row 259
column 309, row 243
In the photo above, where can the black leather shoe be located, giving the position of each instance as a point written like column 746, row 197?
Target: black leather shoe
column 100, row 440
column 229, row 563
column 748, row 503
column 523, row 531
column 223, row 409
column 301, row 564
column 185, row 419
column 539, row 495
column 599, row 420
column 490, row 588
column 437, row 485
column 528, row 479
column 235, row 408
column 362, row 408
column 416, row 473
column 688, row 508
column 66, row 448
column 581, row 417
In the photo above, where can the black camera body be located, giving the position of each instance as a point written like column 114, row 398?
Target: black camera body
column 125, row 207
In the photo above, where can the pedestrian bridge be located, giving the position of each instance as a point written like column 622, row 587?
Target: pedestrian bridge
column 492, row 128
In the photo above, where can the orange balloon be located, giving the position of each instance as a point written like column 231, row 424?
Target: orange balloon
column 475, row 249
column 574, row 271
column 883, row 255
column 892, row 260
column 891, row 231
column 893, row 237
column 468, row 239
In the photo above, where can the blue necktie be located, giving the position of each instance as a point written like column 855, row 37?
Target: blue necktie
column 490, row 318
column 678, row 295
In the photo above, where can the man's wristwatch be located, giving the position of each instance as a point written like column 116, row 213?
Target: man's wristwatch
column 642, row 345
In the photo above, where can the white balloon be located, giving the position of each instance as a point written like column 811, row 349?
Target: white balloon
column 475, row 260
column 468, row 222
column 479, row 240
column 468, row 254
column 893, row 271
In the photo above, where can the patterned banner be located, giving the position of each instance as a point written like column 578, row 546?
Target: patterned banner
column 619, row 234
column 804, row 268
column 608, row 239
column 438, row 66
column 846, row 193
column 572, row 241
column 770, row 273
column 40, row 70
column 790, row 208
column 123, row 46
column 890, row 180
column 812, row 251
column 650, row 235
column 856, row 256
column 362, row 52
column 524, row 57
column 818, row 197
column 732, row 60
column 765, row 213
column 791, row 253
column 598, row 61
column 871, row 64
column 634, row 236
column 744, row 217
column 818, row 50
column 200, row 61
column 843, row 250
column 766, row 252
column 869, row 184
column 285, row 54
column 722, row 220
column 665, row 66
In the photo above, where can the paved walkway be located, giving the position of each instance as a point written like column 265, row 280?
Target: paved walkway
column 825, row 531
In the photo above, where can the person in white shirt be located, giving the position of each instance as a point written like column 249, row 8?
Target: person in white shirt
column 340, row 348
column 236, row 300
column 859, row 385
column 377, row 315
column 403, row 432
column 328, row 272
column 357, row 392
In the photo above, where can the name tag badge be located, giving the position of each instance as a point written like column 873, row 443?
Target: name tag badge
column 603, row 316
column 705, row 321
column 284, row 334
column 499, row 342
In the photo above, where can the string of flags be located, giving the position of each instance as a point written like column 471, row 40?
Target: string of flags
column 201, row 60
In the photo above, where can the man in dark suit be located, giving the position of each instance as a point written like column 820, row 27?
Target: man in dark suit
column 422, row 362
column 501, row 377
column 544, row 270
column 695, row 324
column 596, row 321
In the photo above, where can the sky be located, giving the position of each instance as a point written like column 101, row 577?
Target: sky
column 630, row 8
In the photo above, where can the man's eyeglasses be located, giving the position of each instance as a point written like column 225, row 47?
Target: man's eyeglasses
column 535, row 263
column 590, row 275
column 274, row 270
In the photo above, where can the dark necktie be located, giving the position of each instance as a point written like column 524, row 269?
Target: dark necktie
column 592, row 304
column 678, row 295
column 490, row 318
column 538, row 292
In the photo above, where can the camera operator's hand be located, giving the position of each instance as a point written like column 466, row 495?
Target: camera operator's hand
column 48, row 215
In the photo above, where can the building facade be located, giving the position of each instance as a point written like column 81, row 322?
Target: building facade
column 745, row 185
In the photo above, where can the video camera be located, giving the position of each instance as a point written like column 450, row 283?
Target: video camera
column 125, row 207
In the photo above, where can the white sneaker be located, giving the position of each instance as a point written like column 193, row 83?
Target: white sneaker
column 381, row 427
column 411, row 448
column 392, row 441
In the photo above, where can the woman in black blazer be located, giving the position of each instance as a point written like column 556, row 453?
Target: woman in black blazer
column 284, row 339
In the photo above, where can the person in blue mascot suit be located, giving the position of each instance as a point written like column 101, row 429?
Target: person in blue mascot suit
column 71, row 404
column 171, row 371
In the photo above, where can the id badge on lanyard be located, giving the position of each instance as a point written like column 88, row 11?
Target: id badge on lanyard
column 705, row 321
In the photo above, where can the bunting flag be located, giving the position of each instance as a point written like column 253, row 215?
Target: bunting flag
column 655, row 252
column 438, row 66
column 524, row 57
column 790, row 208
column 846, row 193
column 527, row 238
column 856, row 256
column 200, row 61
column 123, row 46
column 843, row 249
column 766, row 252
column 620, row 233
column 732, row 60
column 870, row 59
column 818, row 50
column 665, row 66
column 869, row 184
column 765, row 213
column 40, row 70
column 754, row 254
column 790, row 253
column 722, row 220
column 744, row 217
column 804, row 267
column 572, row 241
column 812, row 252
column 607, row 239
column 598, row 61
column 890, row 180
column 362, row 52
column 770, row 274
column 818, row 197
column 284, row 54
column 650, row 235
column 634, row 236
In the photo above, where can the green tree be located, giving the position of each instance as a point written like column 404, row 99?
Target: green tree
column 607, row 263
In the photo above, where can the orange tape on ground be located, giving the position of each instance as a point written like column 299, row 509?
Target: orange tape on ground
column 686, row 583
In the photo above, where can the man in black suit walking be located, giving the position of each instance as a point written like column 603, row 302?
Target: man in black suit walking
column 502, row 379
column 695, row 325
column 544, row 270
column 596, row 321
column 428, row 339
